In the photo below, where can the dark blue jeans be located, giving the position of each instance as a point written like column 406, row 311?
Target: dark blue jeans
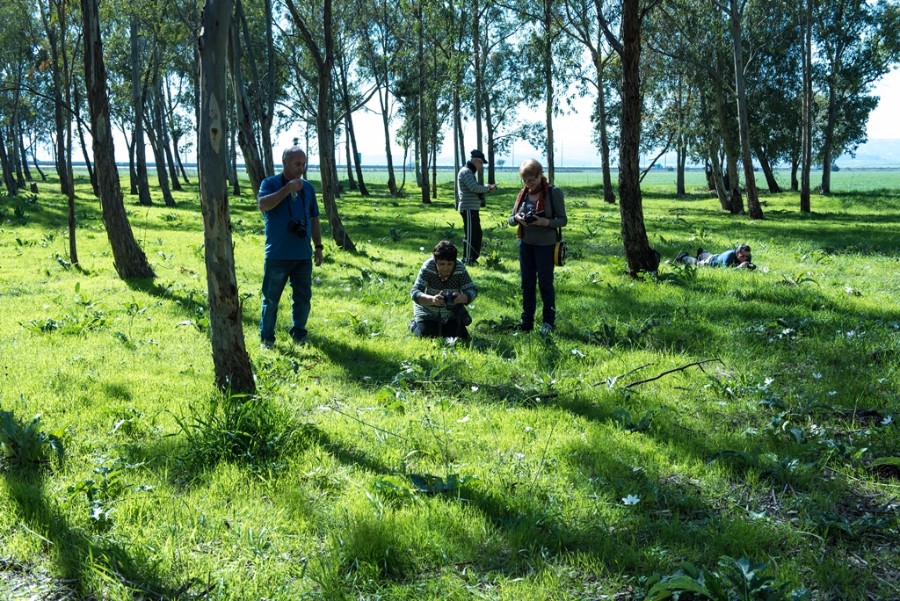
column 536, row 265
column 276, row 273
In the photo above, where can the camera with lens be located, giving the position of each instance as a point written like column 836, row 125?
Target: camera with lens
column 449, row 297
column 530, row 217
column 297, row 227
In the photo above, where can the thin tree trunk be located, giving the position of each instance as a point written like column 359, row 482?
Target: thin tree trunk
column 806, row 135
column 129, row 260
column 548, row 89
column 771, row 182
column 231, row 361
column 246, row 137
column 743, row 119
column 142, row 183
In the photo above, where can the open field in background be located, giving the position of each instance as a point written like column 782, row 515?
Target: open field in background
column 702, row 416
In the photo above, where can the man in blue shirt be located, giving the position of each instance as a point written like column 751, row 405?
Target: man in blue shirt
column 288, row 204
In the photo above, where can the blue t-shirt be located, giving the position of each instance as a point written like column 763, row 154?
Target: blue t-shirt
column 725, row 259
column 281, row 243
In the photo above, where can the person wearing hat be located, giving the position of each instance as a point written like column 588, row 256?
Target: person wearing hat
column 739, row 258
column 470, row 199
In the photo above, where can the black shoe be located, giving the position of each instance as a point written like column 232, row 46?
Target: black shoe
column 700, row 251
column 523, row 327
column 681, row 256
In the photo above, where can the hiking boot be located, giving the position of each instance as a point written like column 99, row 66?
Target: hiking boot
column 681, row 256
column 700, row 251
column 546, row 328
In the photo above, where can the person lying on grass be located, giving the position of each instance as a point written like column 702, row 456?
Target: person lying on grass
column 739, row 258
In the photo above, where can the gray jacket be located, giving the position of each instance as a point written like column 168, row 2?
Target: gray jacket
column 469, row 191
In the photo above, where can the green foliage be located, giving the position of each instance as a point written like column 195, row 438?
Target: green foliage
column 27, row 445
column 375, row 464
column 234, row 427
column 734, row 580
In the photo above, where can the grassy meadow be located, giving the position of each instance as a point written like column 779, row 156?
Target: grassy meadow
column 730, row 433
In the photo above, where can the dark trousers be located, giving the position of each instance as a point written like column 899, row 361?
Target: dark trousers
column 536, row 265
column 472, row 236
column 433, row 328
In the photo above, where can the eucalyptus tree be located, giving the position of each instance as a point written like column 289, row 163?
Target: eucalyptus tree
column 380, row 53
column 550, row 62
column 734, row 10
column 858, row 42
column 693, row 35
column 353, row 96
column 56, row 28
column 257, row 28
column 253, row 161
column 502, row 92
column 18, row 55
column 320, row 45
column 128, row 258
column 639, row 255
column 233, row 372
column 806, row 135
column 774, row 84
column 583, row 24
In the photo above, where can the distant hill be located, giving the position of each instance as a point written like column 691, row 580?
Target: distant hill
column 880, row 154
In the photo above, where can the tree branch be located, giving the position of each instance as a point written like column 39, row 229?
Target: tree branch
column 671, row 371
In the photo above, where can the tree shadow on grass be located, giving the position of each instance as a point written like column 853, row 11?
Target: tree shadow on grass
column 81, row 558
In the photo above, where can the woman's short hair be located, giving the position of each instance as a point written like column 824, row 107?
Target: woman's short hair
column 530, row 167
column 445, row 251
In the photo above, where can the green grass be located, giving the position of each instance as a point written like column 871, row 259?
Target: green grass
column 700, row 415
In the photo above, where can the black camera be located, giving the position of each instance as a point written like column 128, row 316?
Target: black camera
column 449, row 297
column 297, row 227
column 530, row 217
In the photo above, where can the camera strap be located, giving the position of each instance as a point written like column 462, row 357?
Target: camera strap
column 291, row 201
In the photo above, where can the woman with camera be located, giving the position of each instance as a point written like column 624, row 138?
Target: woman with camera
column 538, row 213
column 440, row 293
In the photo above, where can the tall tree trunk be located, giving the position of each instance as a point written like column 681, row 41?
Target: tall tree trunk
column 23, row 155
column 609, row 195
column 392, row 178
column 324, row 62
column 352, row 152
column 729, row 143
column 162, row 131
column 638, row 253
column 548, row 88
column 137, row 100
column 162, row 175
column 806, row 134
column 743, row 119
column 771, row 182
column 351, row 179
column 828, row 135
column 422, row 146
column 715, row 166
column 54, row 27
column 231, row 361
column 9, row 179
column 246, row 137
column 129, row 259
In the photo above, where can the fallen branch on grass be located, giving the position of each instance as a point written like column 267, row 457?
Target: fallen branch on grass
column 671, row 371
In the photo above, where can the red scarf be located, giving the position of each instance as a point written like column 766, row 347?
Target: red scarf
column 544, row 188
